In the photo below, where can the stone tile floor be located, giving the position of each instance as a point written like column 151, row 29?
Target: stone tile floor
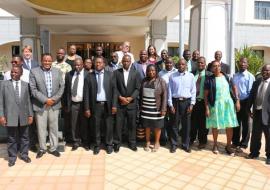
column 141, row 170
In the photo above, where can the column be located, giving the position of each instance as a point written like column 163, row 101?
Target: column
column 45, row 41
column 209, row 28
column 158, row 34
column 30, row 35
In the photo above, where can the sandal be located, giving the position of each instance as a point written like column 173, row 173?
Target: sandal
column 215, row 149
column 147, row 147
column 155, row 148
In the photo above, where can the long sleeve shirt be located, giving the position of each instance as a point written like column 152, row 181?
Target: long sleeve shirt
column 182, row 85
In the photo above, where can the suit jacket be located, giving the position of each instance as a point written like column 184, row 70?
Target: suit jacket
column 16, row 113
column 90, row 91
column 39, row 90
column 34, row 64
column 67, row 92
column 266, row 101
column 131, row 90
column 138, row 66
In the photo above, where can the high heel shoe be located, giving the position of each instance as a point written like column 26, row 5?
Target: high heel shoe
column 215, row 149
column 229, row 150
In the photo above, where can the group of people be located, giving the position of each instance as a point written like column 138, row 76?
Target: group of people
column 100, row 97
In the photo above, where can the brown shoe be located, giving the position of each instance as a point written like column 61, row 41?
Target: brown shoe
column 215, row 149
column 229, row 151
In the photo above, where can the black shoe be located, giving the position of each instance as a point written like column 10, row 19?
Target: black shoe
column 251, row 156
column 33, row 149
column 40, row 154
column 133, row 148
column 116, row 148
column 243, row 146
column 96, row 150
column 11, row 163
column 75, row 147
column 86, row 147
column 267, row 161
column 188, row 150
column 55, row 153
column 109, row 149
column 173, row 149
column 201, row 146
column 26, row 159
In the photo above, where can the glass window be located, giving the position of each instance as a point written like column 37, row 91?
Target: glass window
column 173, row 51
column 262, row 10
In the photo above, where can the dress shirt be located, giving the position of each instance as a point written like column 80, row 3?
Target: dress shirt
column 243, row 81
column 201, row 95
column 64, row 67
column 189, row 67
column 126, row 74
column 261, row 93
column 164, row 74
column 182, row 85
column 121, row 55
column 48, row 81
column 24, row 77
column 19, row 85
column 79, row 96
column 101, row 97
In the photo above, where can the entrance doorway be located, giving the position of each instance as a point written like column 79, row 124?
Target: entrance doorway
column 87, row 49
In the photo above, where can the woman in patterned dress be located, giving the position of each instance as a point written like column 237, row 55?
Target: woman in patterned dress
column 153, row 105
column 220, row 110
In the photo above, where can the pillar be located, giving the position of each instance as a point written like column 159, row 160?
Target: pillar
column 158, row 34
column 30, row 35
column 209, row 28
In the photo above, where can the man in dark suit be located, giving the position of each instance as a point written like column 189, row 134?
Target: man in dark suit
column 100, row 104
column 141, row 65
column 16, row 114
column 47, row 87
column 73, row 103
column 260, row 100
column 28, row 62
column 161, row 63
column 198, row 119
column 224, row 67
column 127, row 87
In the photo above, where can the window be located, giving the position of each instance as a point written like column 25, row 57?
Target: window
column 173, row 51
column 15, row 50
column 260, row 53
column 262, row 10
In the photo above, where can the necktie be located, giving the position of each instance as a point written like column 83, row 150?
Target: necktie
column 75, row 85
column 28, row 64
column 198, row 84
column 17, row 92
column 99, row 83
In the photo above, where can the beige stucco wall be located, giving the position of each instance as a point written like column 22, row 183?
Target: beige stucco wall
column 6, row 50
column 137, row 43
column 266, row 52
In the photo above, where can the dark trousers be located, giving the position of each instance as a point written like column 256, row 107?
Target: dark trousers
column 99, row 117
column 198, row 123
column 257, row 129
column 79, row 128
column 130, row 116
column 33, row 137
column 17, row 137
column 67, row 126
column 182, row 116
column 242, row 117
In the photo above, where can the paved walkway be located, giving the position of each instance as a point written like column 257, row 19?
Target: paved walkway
column 142, row 170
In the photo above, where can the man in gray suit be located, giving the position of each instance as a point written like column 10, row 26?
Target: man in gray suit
column 47, row 87
column 16, row 114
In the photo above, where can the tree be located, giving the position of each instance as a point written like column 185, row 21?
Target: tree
column 255, row 62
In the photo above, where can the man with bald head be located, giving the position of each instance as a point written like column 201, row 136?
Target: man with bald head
column 224, row 67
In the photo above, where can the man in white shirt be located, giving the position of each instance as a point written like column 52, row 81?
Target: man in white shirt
column 73, row 103
column 169, row 69
column 125, row 51
column 28, row 62
column 17, row 60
